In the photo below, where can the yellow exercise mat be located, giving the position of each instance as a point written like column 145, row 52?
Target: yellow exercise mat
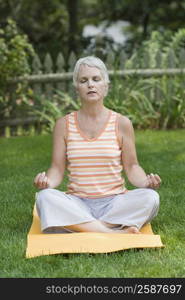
column 39, row 243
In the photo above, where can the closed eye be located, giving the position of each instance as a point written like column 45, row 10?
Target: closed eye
column 83, row 80
column 96, row 78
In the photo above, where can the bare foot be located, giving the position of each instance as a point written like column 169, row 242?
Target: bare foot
column 129, row 230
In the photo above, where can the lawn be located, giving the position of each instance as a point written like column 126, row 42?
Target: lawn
column 21, row 158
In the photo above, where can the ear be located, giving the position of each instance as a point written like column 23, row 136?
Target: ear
column 76, row 90
column 106, row 89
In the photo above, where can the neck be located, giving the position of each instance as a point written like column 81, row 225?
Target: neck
column 93, row 111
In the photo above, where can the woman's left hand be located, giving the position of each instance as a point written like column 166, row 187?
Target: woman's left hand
column 153, row 181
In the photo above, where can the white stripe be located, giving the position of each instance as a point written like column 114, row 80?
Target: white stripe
column 96, row 189
column 95, row 164
column 71, row 122
column 94, row 173
column 110, row 126
column 108, row 134
column 73, row 127
column 79, row 138
column 86, row 153
column 89, row 152
column 95, row 181
column 91, row 143
column 89, row 146
column 99, row 139
column 88, row 156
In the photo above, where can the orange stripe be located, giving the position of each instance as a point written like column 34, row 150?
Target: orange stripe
column 93, row 157
column 103, row 194
column 76, row 131
column 108, row 146
column 94, row 175
column 91, row 166
column 73, row 131
column 92, row 148
column 95, row 184
column 82, row 140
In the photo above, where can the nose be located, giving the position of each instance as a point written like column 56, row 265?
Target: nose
column 90, row 83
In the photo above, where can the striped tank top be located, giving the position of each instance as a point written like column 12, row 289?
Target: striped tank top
column 94, row 165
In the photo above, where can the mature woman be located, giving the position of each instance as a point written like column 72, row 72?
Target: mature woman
column 95, row 144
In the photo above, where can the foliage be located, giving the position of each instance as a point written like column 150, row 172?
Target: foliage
column 145, row 17
column 48, row 111
column 150, row 102
column 15, row 52
column 155, row 102
column 59, row 26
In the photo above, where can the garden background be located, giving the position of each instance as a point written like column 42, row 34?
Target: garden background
column 38, row 49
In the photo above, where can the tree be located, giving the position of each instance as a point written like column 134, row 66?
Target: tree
column 15, row 54
column 57, row 25
column 44, row 21
column 144, row 15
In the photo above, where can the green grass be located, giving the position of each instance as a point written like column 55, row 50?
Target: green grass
column 21, row 158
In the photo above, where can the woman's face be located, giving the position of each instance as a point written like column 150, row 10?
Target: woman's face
column 91, row 86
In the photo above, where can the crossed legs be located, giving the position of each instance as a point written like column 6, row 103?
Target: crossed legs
column 127, row 214
column 100, row 226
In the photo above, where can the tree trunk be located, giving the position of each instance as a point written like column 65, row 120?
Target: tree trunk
column 145, row 24
column 72, row 7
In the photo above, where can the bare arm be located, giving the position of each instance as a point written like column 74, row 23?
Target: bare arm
column 54, row 175
column 135, row 173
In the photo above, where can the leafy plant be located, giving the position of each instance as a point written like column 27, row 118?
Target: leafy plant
column 157, row 101
column 48, row 111
column 15, row 53
column 150, row 102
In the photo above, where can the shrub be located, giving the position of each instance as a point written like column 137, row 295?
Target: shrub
column 157, row 101
column 15, row 53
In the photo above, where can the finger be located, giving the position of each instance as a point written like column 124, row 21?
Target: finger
column 36, row 179
column 43, row 174
column 45, row 182
column 150, row 183
column 154, row 181
column 40, row 179
column 157, row 178
column 38, row 175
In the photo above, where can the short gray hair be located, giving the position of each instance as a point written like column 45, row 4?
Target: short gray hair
column 91, row 61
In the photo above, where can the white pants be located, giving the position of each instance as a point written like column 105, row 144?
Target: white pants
column 57, row 209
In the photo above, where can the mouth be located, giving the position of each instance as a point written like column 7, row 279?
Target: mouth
column 91, row 92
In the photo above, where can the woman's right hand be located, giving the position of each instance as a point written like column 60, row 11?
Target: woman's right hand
column 41, row 181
